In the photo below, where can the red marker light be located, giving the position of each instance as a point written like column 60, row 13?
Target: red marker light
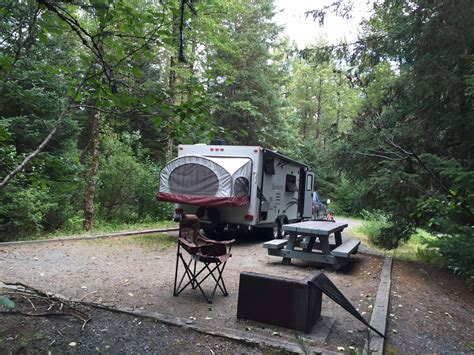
column 222, row 149
column 249, row 217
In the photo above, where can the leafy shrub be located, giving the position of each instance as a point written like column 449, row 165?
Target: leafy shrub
column 26, row 211
column 128, row 182
column 374, row 225
column 22, row 210
column 349, row 197
column 453, row 252
column 453, row 248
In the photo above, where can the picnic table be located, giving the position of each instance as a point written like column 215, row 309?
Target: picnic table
column 312, row 241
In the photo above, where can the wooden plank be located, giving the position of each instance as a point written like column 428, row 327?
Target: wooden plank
column 346, row 248
column 316, row 246
column 275, row 244
column 379, row 314
column 302, row 255
column 314, row 227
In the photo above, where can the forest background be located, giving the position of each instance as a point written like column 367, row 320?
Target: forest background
column 95, row 95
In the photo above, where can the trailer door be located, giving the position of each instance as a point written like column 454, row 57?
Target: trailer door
column 308, row 198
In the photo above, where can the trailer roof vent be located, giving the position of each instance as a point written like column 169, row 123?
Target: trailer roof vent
column 219, row 141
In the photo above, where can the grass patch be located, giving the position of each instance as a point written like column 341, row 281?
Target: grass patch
column 411, row 250
column 373, row 224
column 149, row 241
column 103, row 227
column 160, row 241
column 100, row 227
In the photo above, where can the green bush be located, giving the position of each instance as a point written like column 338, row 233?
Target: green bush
column 374, row 225
column 349, row 197
column 22, row 210
column 451, row 222
column 128, row 182
column 453, row 252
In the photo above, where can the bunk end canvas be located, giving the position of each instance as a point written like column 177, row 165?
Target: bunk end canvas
column 206, row 181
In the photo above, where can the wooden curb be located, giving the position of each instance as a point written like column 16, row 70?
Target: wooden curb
column 91, row 237
column 380, row 311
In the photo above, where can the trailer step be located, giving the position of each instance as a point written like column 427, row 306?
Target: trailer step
column 275, row 244
column 350, row 246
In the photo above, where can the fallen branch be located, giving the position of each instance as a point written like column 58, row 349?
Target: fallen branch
column 47, row 304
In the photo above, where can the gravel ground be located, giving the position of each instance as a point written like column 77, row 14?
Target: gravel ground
column 129, row 272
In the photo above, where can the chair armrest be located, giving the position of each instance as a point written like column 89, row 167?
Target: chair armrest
column 187, row 243
column 225, row 242
column 212, row 241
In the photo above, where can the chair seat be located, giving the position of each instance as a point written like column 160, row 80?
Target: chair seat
column 212, row 259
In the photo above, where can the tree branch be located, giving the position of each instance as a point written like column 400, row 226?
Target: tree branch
column 43, row 144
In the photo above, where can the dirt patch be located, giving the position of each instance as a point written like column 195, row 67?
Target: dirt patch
column 109, row 333
column 431, row 311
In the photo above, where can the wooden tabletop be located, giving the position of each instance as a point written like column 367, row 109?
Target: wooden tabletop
column 314, row 227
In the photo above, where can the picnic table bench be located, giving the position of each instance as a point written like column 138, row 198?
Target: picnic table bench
column 313, row 241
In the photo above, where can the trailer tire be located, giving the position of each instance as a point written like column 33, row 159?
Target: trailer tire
column 277, row 232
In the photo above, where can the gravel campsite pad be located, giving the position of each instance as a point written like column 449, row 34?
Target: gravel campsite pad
column 138, row 273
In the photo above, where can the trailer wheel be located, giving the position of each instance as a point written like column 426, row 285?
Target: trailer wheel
column 277, row 231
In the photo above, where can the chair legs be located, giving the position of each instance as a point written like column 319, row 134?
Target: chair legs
column 196, row 277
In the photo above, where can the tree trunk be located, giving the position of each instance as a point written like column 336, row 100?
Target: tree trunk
column 305, row 123
column 172, row 78
column 318, row 111
column 92, row 173
column 171, row 102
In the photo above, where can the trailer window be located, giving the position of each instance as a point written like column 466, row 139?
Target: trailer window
column 269, row 166
column 290, row 184
column 309, row 183
column 241, row 187
column 193, row 179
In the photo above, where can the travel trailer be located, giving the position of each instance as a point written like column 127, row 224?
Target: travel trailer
column 237, row 187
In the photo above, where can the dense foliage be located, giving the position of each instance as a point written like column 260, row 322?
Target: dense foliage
column 95, row 95
column 411, row 142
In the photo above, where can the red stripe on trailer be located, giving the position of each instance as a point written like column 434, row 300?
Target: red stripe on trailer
column 233, row 201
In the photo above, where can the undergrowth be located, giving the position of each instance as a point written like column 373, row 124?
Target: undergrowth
column 412, row 250
column 154, row 241
column 100, row 227
column 161, row 241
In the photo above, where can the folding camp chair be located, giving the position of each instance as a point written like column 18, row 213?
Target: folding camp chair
column 211, row 255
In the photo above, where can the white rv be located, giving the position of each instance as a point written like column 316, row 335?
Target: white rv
column 239, row 187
